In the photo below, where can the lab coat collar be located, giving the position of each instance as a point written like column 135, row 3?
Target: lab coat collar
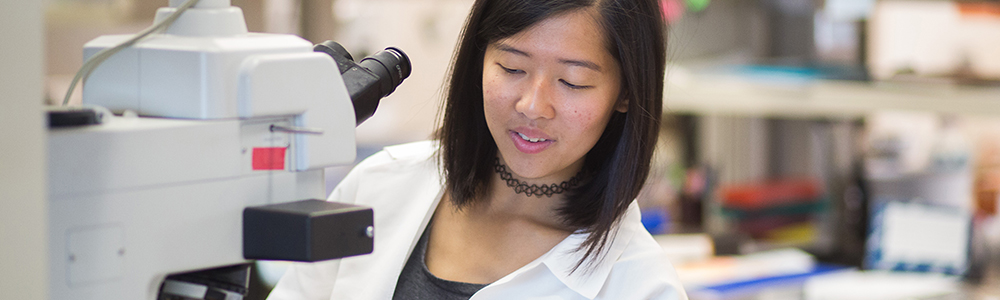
column 590, row 277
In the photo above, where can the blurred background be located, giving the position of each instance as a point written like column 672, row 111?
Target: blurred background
column 810, row 149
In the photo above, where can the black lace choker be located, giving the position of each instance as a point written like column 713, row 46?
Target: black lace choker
column 534, row 189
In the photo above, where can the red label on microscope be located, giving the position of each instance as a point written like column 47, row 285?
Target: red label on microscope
column 269, row 158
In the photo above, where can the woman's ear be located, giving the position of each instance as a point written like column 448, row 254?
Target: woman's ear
column 622, row 106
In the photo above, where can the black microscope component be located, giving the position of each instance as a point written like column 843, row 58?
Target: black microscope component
column 368, row 81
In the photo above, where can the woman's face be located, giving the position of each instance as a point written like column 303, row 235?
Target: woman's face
column 548, row 94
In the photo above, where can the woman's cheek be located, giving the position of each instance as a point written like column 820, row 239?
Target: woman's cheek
column 490, row 88
column 587, row 115
column 496, row 94
column 596, row 119
column 492, row 101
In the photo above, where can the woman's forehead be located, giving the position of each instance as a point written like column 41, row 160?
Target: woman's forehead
column 573, row 38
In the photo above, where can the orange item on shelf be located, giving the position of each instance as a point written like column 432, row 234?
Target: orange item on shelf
column 979, row 8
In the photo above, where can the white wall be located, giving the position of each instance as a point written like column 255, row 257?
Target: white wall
column 23, row 252
column 426, row 30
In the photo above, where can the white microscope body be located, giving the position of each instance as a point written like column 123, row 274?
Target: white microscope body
column 229, row 120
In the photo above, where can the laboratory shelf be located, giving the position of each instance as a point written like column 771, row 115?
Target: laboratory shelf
column 715, row 93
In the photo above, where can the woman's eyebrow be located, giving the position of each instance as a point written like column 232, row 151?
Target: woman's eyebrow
column 581, row 63
column 507, row 48
column 573, row 62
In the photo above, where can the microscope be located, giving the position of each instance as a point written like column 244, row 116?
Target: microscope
column 217, row 158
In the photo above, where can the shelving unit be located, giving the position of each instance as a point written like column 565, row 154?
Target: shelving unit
column 727, row 94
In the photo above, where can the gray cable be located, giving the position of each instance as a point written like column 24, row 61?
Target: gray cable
column 102, row 55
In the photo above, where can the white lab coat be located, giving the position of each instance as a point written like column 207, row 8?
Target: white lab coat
column 403, row 185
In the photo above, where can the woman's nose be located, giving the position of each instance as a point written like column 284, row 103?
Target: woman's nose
column 536, row 101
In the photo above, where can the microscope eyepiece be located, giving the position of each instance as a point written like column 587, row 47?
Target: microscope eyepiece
column 370, row 80
column 390, row 63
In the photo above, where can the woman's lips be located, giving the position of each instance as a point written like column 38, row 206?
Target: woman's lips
column 529, row 147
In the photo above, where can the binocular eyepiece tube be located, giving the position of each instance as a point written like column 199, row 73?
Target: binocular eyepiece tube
column 370, row 80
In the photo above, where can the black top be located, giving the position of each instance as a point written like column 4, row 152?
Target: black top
column 416, row 282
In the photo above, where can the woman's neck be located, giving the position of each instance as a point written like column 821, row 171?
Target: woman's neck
column 504, row 202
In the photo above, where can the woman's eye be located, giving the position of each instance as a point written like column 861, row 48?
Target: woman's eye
column 509, row 70
column 573, row 86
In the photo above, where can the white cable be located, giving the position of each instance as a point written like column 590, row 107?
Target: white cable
column 102, row 55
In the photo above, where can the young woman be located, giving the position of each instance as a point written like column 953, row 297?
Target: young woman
column 550, row 121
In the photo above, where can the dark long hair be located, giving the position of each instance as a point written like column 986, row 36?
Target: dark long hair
column 619, row 162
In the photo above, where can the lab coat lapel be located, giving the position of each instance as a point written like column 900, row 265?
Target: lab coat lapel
column 403, row 198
